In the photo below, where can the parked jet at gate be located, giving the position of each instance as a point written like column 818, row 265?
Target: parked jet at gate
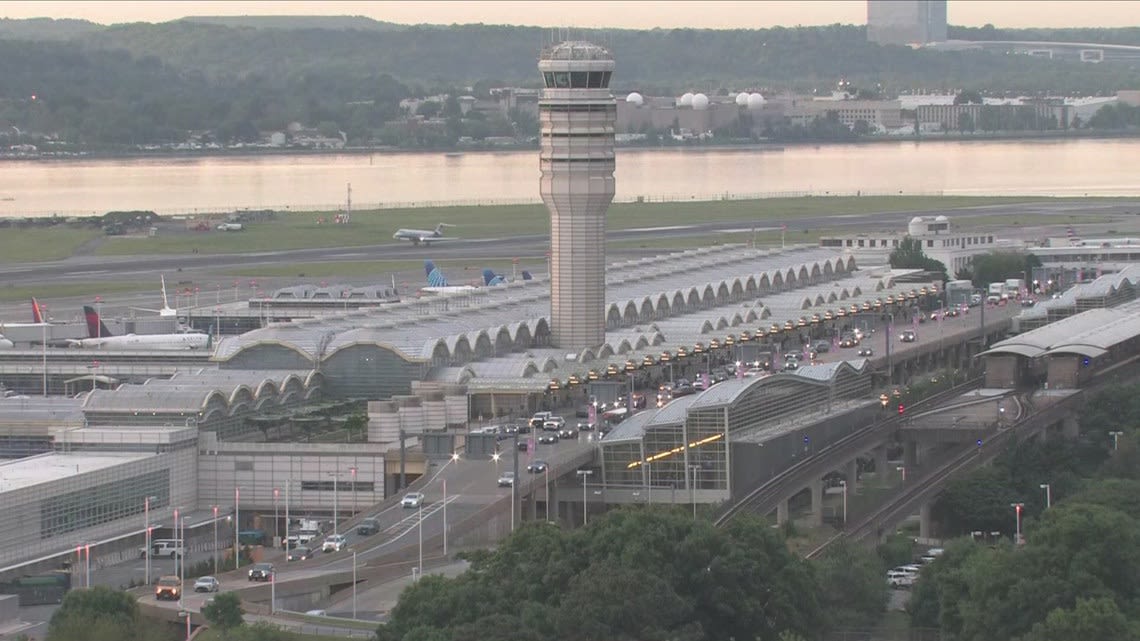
column 491, row 278
column 37, row 318
column 437, row 283
column 101, row 338
column 425, row 236
column 167, row 311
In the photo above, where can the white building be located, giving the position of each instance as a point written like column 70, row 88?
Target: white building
column 953, row 248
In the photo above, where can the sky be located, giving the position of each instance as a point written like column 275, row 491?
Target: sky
column 592, row 13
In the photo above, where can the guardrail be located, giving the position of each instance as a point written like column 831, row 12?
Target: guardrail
column 778, row 484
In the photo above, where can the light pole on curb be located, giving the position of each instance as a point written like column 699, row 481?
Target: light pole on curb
column 276, row 515
column 237, row 528
column 843, row 484
column 584, row 475
column 1048, row 495
column 421, row 534
column 1115, row 439
column 354, row 584
column 146, row 521
column 693, row 488
column 1017, row 507
column 215, row 538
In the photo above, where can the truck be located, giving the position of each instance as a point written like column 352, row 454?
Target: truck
column 1014, row 287
column 958, row 292
column 230, row 227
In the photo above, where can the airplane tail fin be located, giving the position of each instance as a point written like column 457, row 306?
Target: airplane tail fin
column 165, row 305
column 526, row 275
column 434, row 276
column 491, row 278
column 95, row 326
column 439, row 229
column 37, row 315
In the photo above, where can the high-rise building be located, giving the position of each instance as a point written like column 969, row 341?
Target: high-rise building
column 577, row 115
column 906, row 22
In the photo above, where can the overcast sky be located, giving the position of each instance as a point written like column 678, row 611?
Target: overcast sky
column 612, row 13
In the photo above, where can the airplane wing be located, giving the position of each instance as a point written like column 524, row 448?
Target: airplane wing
column 427, row 240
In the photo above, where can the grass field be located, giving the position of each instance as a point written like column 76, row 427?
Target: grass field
column 11, row 292
column 30, row 245
column 211, row 634
column 301, row 230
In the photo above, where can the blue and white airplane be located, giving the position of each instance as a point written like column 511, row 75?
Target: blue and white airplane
column 425, row 236
column 437, row 282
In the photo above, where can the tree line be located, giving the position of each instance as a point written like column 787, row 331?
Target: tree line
column 152, row 83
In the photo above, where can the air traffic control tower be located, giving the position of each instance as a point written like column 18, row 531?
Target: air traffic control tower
column 577, row 115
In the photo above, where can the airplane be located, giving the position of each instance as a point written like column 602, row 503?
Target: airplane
column 101, row 338
column 424, row 236
column 490, row 278
column 5, row 343
column 167, row 311
column 437, row 283
column 37, row 318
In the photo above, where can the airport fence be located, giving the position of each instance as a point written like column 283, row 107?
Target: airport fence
column 476, row 202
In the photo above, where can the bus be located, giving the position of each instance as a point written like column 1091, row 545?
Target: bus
column 39, row 589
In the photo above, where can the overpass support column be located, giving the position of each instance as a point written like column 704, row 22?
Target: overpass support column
column 881, row 462
column 910, row 454
column 532, row 504
column 924, row 522
column 782, row 512
column 1070, row 429
column 816, row 502
column 851, row 474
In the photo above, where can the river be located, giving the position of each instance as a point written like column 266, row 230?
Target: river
column 168, row 185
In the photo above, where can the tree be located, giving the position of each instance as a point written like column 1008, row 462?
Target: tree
column 356, row 424
column 224, row 611
column 909, row 255
column 97, row 614
column 965, row 123
column 968, row 98
column 853, row 593
column 1097, row 618
column 1001, row 265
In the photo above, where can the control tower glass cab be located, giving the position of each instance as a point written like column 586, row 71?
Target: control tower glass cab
column 577, row 115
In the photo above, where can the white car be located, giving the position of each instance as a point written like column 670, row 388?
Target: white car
column 207, row 584
column 334, row 543
column 899, row 579
column 413, row 499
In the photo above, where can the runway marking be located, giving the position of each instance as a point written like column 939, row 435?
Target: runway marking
column 669, row 228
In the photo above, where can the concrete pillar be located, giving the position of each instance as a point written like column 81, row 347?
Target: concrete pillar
column 851, row 475
column 924, row 524
column 782, row 512
column 816, row 488
column 910, row 454
column 881, row 462
column 532, row 504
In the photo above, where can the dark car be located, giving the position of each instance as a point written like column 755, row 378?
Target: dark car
column 537, row 467
column 585, row 427
column 866, row 351
column 524, row 445
column 583, row 411
column 299, row 553
column 368, row 527
column 567, row 433
column 261, row 572
column 548, row 438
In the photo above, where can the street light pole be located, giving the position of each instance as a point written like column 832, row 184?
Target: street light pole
column 444, row 521
column 584, row 474
column 335, row 506
column 215, row 539
column 843, row 484
column 693, row 488
column 1115, row 439
column 1017, row 507
column 546, row 473
column 146, row 525
column 354, row 584
column 353, row 488
column 237, row 528
column 421, row 529
column 1048, row 495
column 276, row 516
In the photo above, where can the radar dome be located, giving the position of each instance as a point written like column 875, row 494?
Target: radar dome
column 635, row 99
column 700, row 102
column 941, row 219
column 686, row 100
column 742, row 100
column 755, row 101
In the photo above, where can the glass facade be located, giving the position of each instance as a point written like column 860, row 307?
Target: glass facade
column 694, row 450
column 103, row 503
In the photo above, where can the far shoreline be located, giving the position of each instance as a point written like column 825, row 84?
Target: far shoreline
column 1062, row 136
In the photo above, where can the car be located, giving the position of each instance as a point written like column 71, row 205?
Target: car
column 582, row 411
column 866, row 351
column 908, row 336
column 900, row 579
column 316, row 613
column 822, row 347
column 207, row 584
column 550, row 438
column 368, row 527
column 169, row 587
column 554, row 423
column 585, row 427
column 791, row 356
column 537, row 467
column 413, row 499
column 300, row 553
column 262, row 571
column 791, row 366
column 334, row 543
column 511, row 429
column 848, row 341
column 952, row 312
column 524, row 446
column 567, row 433
column 507, row 479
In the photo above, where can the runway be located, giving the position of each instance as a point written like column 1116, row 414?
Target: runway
column 208, row 270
